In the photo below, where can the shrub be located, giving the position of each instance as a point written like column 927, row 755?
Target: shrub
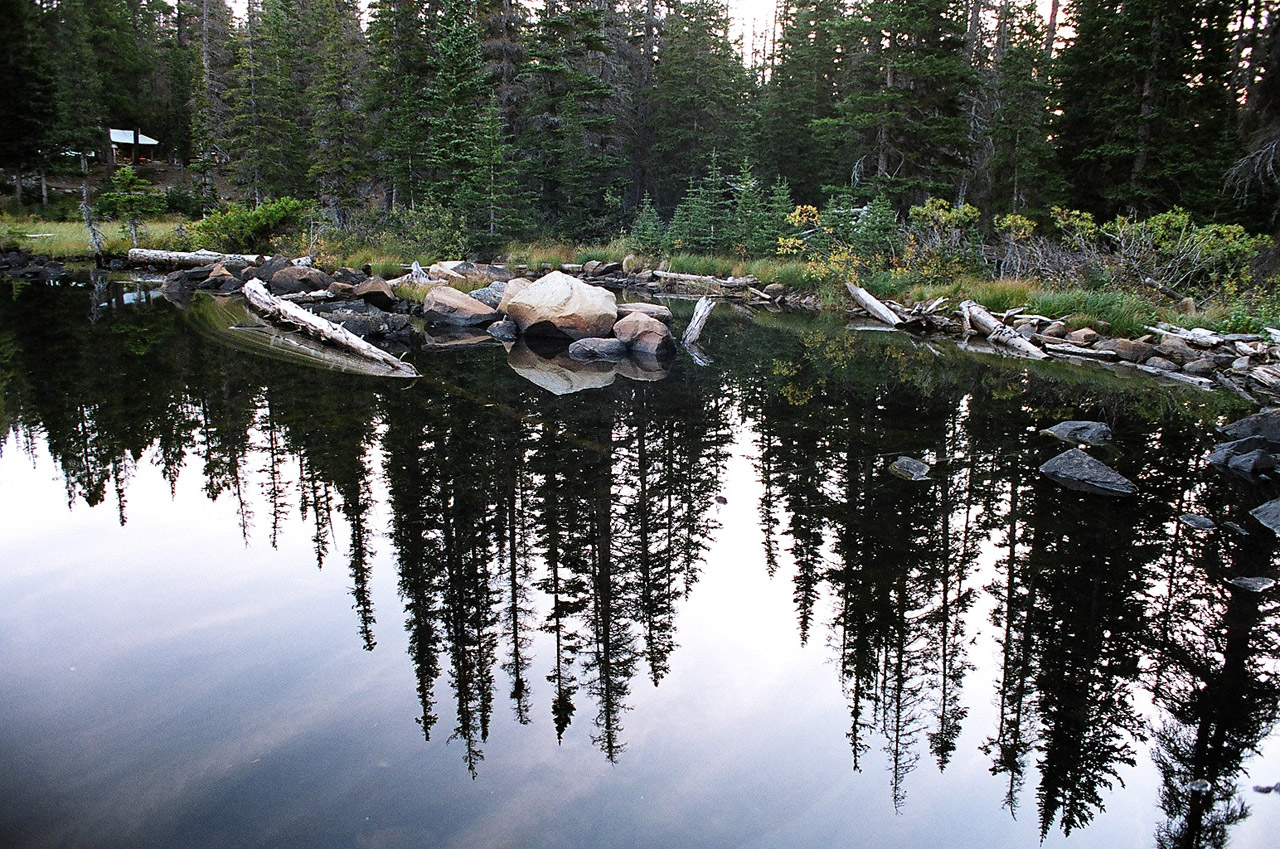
column 250, row 229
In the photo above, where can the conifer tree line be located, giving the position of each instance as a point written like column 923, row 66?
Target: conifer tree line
column 572, row 119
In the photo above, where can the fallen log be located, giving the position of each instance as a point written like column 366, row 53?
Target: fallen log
column 872, row 304
column 977, row 317
column 701, row 312
column 187, row 259
column 313, row 325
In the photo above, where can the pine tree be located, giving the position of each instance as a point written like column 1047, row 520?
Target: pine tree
column 1147, row 111
column 900, row 125
column 337, row 135
column 698, row 97
column 398, row 82
column 802, row 92
column 647, row 232
column 25, row 76
column 566, row 131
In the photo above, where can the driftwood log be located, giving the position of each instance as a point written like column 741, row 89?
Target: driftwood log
column 701, row 312
column 978, row 318
column 873, row 305
column 187, row 259
column 313, row 325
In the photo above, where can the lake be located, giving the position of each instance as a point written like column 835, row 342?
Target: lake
column 248, row 603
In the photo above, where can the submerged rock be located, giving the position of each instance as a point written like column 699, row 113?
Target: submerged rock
column 1080, row 433
column 1253, row 585
column 910, row 469
column 1076, row 470
column 505, row 330
column 1197, row 522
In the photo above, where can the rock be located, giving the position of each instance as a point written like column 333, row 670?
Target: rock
column 910, row 469
column 350, row 276
column 196, row 275
column 1080, row 433
column 1269, row 515
column 1056, row 330
column 1177, row 350
column 560, row 305
column 377, row 292
column 1129, row 350
column 1253, row 585
column 490, row 295
column 1224, row 453
column 446, row 305
column 505, row 330
column 589, row 267
column 596, row 349
column 1162, row 364
column 1197, row 522
column 221, row 283
column 269, row 268
column 1252, row 465
column 631, row 264
column 1084, row 337
column 514, row 287
column 644, row 334
column 1203, row 367
column 293, row 279
column 342, row 290
column 1241, row 364
column 658, row 311
column 607, row 268
column 1187, row 306
column 1265, row 425
column 1076, row 470
column 559, row 374
column 455, row 270
column 775, row 291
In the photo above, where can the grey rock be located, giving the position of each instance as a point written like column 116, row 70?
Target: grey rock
column 1196, row 522
column 1080, row 433
column 1253, row 464
column 1269, row 515
column 350, row 276
column 446, row 305
column 1056, row 330
column 1203, row 367
column 490, row 295
column 377, row 292
column 504, row 331
column 1235, row 529
column 1084, row 337
column 1076, row 470
column 910, row 469
column 596, row 349
column 1253, row 585
column 1162, row 364
column 1265, row 424
column 293, row 279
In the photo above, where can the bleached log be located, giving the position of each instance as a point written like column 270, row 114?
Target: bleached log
column 701, row 312
column 187, row 259
column 686, row 278
column 872, row 304
column 313, row 325
column 978, row 318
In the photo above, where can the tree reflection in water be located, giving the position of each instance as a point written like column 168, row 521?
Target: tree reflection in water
column 588, row 518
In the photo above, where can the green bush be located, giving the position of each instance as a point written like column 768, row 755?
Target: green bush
column 250, row 229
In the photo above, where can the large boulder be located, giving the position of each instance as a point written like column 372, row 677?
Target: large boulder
column 513, row 287
column 564, row 306
column 1076, row 470
column 446, row 305
column 644, row 334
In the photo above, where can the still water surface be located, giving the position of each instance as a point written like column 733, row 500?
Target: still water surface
column 248, row 604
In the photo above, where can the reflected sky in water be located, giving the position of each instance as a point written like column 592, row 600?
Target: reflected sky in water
column 243, row 604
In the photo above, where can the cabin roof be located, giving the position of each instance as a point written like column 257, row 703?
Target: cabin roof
column 126, row 137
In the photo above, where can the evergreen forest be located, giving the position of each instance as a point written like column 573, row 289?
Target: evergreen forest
column 579, row 120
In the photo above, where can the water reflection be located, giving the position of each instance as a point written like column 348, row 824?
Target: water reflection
column 512, row 510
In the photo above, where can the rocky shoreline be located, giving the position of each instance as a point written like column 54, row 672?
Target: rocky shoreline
column 464, row 303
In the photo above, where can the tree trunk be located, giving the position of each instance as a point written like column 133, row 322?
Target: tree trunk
column 186, row 259
column 976, row 316
column 283, row 311
column 873, row 305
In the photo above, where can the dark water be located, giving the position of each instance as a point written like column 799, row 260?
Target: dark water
column 248, row 604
